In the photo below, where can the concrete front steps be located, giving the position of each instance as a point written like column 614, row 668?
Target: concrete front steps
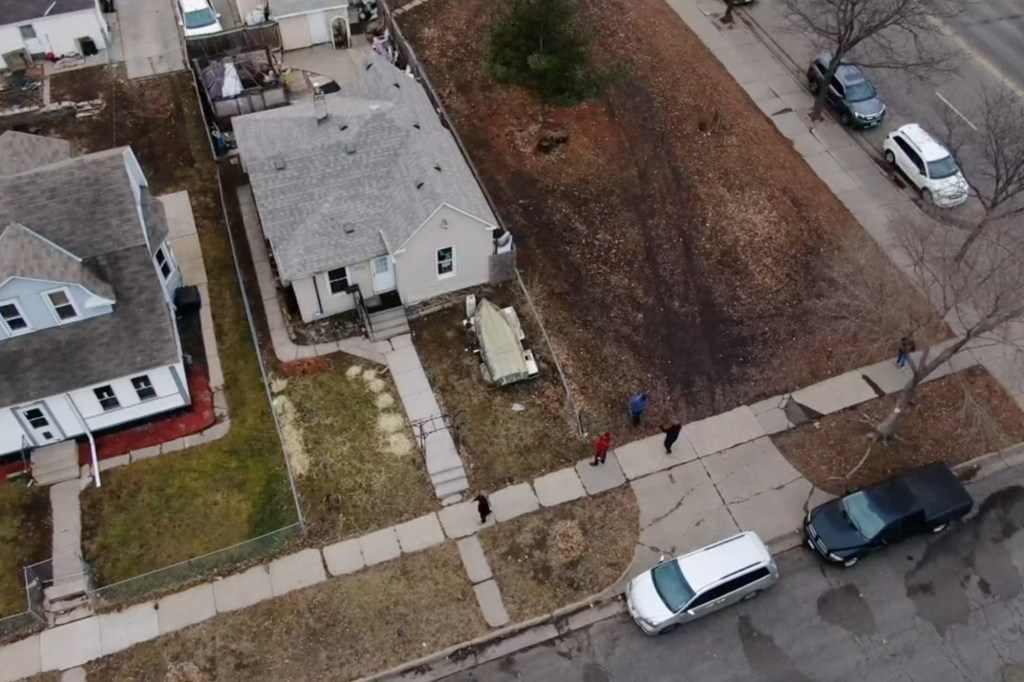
column 67, row 600
column 55, row 463
column 387, row 324
column 444, row 466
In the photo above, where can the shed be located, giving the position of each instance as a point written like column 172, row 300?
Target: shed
column 304, row 23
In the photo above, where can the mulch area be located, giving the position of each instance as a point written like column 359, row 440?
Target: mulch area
column 198, row 417
column 955, row 419
column 677, row 243
column 564, row 554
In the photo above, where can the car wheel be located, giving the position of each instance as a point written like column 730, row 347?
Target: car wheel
column 751, row 595
column 670, row 628
column 941, row 527
column 890, row 158
column 926, row 194
column 851, row 561
column 815, row 87
column 846, row 119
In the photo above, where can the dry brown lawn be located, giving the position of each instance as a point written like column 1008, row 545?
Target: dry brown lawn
column 345, row 628
column 955, row 419
column 564, row 554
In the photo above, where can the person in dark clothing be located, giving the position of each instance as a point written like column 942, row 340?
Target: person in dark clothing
column 483, row 507
column 907, row 346
column 637, row 405
column 671, row 436
column 601, row 446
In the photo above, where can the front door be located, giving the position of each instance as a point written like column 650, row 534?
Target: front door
column 32, row 42
column 39, row 422
column 383, row 275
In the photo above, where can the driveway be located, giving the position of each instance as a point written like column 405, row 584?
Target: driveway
column 149, row 36
column 939, row 609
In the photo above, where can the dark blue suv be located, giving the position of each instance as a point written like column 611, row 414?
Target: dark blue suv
column 850, row 93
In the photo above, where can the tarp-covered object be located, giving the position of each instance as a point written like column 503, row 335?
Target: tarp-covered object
column 500, row 347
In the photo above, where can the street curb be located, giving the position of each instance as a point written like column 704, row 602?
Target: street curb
column 991, row 463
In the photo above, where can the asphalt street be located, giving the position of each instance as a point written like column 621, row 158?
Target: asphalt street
column 944, row 608
column 995, row 30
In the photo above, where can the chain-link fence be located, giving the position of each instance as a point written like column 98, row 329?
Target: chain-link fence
column 178, row 575
column 37, row 577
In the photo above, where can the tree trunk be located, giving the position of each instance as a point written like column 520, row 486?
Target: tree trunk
column 888, row 427
column 822, row 96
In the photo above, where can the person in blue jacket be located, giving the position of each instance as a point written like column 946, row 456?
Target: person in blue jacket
column 637, row 405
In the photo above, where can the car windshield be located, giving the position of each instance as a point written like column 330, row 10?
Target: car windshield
column 200, row 17
column 863, row 514
column 858, row 92
column 672, row 586
column 943, row 168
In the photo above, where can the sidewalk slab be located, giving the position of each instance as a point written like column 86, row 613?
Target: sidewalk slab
column 474, row 560
column 295, row 571
column 71, row 645
column 343, row 557
column 559, row 487
column 181, row 609
column 20, row 659
column 462, row 519
column 600, row 479
column 835, row 394
column 242, row 590
column 513, row 501
column 777, row 512
column 887, row 375
column 832, row 137
column 419, row 534
column 723, row 431
column 647, row 455
column 489, row 598
column 380, row 546
column 122, row 629
column 748, row 470
column 771, row 414
column 402, row 361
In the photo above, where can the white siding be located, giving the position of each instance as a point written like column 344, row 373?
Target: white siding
column 416, row 261
column 58, row 33
column 332, row 304
column 168, row 397
column 295, row 32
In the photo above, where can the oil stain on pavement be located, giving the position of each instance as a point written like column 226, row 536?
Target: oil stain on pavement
column 766, row 658
column 844, row 607
column 940, row 582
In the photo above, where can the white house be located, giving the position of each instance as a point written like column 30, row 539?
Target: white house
column 363, row 193
column 57, row 26
column 88, row 339
column 304, row 23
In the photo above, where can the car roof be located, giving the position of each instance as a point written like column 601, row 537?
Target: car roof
column 847, row 74
column 710, row 564
column 930, row 148
column 190, row 5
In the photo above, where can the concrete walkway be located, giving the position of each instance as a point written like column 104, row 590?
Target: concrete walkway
column 724, row 475
column 444, row 465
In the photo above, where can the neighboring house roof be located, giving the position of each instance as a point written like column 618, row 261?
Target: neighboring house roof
column 15, row 11
column 85, row 206
column 283, row 8
column 381, row 162
column 21, row 151
column 23, row 253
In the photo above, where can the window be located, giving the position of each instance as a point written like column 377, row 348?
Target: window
column 62, row 306
column 337, row 280
column 728, row 587
column 27, row 32
column 108, row 401
column 12, row 317
column 838, row 87
column 144, row 387
column 164, row 263
column 36, row 419
column 446, row 262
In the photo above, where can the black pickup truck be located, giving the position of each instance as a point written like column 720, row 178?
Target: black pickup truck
column 925, row 500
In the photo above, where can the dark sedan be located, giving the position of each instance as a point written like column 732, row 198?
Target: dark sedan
column 923, row 501
column 850, row 93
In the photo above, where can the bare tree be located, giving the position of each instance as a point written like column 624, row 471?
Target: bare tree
column 978, row 297
column 991, row 156
column 884, row 34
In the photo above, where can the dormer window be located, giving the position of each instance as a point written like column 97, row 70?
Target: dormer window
column 61, row 305
column 13, row 318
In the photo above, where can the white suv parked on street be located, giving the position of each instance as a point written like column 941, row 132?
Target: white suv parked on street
column 927, row 165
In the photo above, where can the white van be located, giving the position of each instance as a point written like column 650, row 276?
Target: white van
column 685, row 588
column 197, row 17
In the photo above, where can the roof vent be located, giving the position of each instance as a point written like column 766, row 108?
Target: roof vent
column 437, row 167
column 349, row 228
column 369, row 65
column 343, row 127
column 416, row 126
column 350, row 148
column 420, row 184
column 279, row 163
column 397, row 86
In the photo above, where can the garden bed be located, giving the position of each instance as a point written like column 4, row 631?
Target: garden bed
column 25, row 537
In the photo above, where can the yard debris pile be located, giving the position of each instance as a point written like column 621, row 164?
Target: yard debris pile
column 675, row 242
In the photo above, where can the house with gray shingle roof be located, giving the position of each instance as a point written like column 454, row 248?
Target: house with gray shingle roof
column 364, row 192
column 88, row 338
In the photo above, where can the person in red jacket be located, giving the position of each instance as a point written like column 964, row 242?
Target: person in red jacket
column 601, row 446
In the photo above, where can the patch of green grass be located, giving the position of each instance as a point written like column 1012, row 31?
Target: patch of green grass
column 362, row 470
column 181, row 505
column 24, row 539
